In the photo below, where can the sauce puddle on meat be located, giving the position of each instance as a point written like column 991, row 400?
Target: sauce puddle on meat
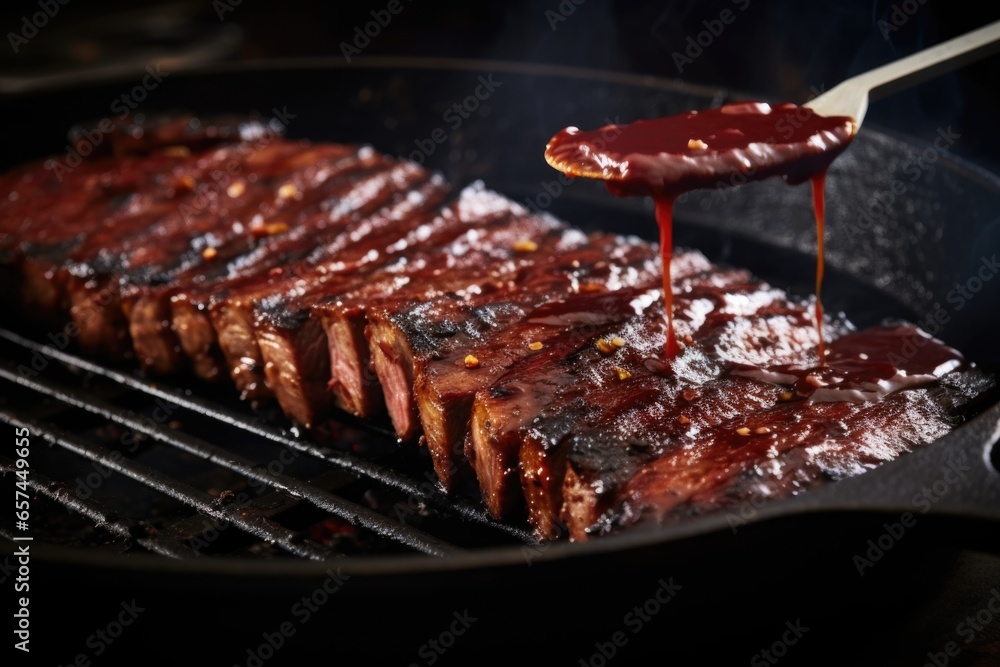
column 666, row 157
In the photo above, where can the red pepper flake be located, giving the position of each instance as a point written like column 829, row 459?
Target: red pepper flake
column 288, row 191
column 177, row 151
column 268, row 229
column 605, row 347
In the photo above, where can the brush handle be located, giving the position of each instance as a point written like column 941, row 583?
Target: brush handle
column 850, row 98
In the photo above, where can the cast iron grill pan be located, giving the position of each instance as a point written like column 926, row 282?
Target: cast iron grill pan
column 168, row 515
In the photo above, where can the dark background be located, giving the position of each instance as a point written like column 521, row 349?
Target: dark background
column 779, row 50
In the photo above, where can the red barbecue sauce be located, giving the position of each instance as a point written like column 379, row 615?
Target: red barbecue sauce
column 727, row 146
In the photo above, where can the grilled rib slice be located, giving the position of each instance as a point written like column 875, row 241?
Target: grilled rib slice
column 292, row 344
column 155, row 250
column 352, row 219
column 126, row 236
column 590, row 427
column 52, row 216
column 277, row 218
column 506, row 413
column 152, row 213
column 727, row 313
column 769, row 448
column 487, row 252
column 57, row 204
column 420, row 349
column 358, row 192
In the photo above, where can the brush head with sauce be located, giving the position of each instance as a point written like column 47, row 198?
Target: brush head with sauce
column 730, row 145
column 733, row 144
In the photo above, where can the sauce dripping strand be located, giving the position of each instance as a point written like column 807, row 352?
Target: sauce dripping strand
column 818, row 183
column 665, row 221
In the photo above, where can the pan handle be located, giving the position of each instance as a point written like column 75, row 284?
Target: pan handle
column 954, row 477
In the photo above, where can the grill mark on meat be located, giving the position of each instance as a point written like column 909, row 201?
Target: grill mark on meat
column 147, row 252
column 518, row 426
column 76, row 260
column 430, row 341
column 101, row 307
column 479, row 255
column 808, row 443
column 189, row 307
column 59, row 222
column 232, row 311
column 586, row 436
column 240, row 253
column 292, row 344
column 142, row 151
column 507, row 402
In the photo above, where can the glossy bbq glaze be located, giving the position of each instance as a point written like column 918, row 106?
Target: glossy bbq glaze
column 745, row 408
column 733, row 144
